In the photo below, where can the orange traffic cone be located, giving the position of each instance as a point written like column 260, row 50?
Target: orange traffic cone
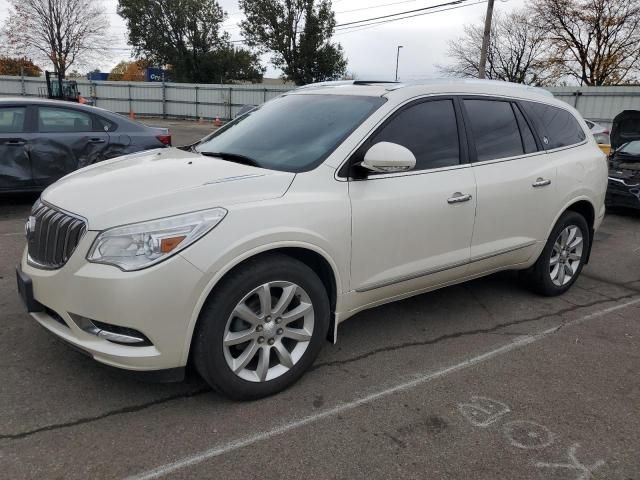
column 217, row 122
column 132, row 115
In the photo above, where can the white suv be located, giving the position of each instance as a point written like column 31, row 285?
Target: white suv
column 242, row 254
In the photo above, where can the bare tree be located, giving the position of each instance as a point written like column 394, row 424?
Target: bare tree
column 515, row 52
column 63, row 32
column 596, row 42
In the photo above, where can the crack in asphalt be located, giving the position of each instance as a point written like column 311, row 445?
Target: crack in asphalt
column 333, row 363
column 450, row 336
column 119, row 411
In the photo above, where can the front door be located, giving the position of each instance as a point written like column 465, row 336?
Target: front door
column 413, row 230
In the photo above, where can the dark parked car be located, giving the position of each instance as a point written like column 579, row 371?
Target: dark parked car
column 43, row 140
column 624, row 162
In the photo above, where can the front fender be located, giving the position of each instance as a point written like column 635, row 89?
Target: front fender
column 234, row 257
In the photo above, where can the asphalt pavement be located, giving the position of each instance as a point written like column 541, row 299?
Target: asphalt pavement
column 484, row 380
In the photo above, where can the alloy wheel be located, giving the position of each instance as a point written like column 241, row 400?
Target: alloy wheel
column 566, row 255
column 268, row 331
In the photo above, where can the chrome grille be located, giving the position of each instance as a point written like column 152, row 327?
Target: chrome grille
column 52, row 236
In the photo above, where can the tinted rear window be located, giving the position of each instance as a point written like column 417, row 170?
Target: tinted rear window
column 494, row 129
column 557, row 126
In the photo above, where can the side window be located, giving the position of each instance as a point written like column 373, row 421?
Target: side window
column 104, row 125
column 12, row 119
column 429, row 129
column 558, row 126
column 528, row 140
column 494, row 129
column 63, row 120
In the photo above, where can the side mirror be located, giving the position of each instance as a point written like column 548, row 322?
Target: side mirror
column 386, row 157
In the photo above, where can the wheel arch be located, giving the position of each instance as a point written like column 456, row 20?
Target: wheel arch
column 312, row 256
column 584, row 207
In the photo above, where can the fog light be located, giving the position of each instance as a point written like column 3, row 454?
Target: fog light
column 112, row 333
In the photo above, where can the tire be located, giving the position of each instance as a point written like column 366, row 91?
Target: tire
column 548, row 281
column 237, row 311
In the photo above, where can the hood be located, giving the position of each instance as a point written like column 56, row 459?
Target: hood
column 160, row 183
column 626, row 128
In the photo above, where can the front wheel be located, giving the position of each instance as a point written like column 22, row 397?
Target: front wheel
column 262, row 328
column 563, row 257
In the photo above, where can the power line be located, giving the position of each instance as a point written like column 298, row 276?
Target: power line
column 360, row 25
column 377, row 6
column 454, row 2
column 357, row 28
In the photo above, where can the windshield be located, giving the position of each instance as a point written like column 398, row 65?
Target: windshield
column 293, row 133
column 631, row 148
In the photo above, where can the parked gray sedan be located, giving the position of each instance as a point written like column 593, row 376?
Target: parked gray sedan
column 43, row 140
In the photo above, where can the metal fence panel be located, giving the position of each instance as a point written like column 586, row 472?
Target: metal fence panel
column 183, row 100
column 186, row 100
column 599, row 104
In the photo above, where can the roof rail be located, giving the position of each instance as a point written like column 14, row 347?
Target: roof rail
column 392, row 85
column 337, row 83
column 478, row 81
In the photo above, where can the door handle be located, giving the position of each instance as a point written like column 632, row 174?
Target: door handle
column 15, row 143
column 97, row 140
column 459, row 198
column 541, row 182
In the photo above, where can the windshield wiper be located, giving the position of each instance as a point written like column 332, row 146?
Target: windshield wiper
column 232, row 157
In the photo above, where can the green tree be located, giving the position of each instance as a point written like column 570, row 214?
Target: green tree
column 184, row 35
column 229, row 65
column 298, row 34
column 17, row 66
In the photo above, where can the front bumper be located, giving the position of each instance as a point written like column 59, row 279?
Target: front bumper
column 158, row 301
column 619, row 194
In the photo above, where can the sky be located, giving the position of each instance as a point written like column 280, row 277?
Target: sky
column 371, row 51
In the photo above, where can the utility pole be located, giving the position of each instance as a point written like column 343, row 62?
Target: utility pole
column 485, row 40
column 398, row 60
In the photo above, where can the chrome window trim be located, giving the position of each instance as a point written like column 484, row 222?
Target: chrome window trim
column 508, row 159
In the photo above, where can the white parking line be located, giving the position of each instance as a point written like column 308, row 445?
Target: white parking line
column 11, row 234
column 519, row 342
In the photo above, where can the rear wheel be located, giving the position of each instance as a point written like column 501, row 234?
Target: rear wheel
column 262, row 328
column 562, row 259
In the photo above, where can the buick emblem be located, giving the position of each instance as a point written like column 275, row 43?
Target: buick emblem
column 30, row 227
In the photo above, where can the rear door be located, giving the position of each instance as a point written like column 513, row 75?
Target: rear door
column 67, row 139
column 516, row 182
column 15, row 163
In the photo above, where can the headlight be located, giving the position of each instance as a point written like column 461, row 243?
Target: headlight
column 140, row 245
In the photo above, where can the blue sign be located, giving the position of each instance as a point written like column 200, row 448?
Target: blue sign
column 153, row 74
column 99, row 76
